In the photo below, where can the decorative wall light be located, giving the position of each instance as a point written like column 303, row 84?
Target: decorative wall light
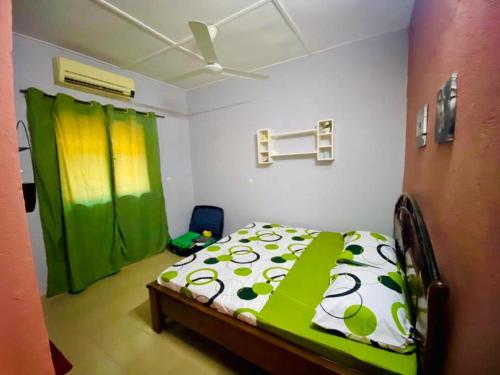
column 446, row 111
column 422, row 126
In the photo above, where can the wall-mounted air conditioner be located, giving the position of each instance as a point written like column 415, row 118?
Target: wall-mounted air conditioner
column 78, row 76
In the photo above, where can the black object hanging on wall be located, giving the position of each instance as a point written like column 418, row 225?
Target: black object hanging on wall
column 29, row 188
column 29, row 192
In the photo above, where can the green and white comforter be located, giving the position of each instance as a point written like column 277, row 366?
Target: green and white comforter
column 237, row 275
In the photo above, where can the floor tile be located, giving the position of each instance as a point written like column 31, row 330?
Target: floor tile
column 106, row 329
column 100, row 366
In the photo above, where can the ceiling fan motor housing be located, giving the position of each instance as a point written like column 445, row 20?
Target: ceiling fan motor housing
column 214, row 68
column 204, row 35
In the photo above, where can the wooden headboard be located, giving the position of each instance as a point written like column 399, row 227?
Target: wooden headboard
column 427, row 294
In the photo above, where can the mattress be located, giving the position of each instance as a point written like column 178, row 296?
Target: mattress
column 273, row 277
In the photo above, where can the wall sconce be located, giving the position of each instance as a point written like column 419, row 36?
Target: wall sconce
column 422, row 126
column 446, row 111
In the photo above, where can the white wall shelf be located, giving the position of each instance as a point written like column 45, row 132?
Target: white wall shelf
column 304, row 153
column 263, row 147
column 294, row 133
column 323, row 133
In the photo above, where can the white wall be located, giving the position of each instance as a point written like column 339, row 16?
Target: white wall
column 362, row 86
column 33, row 68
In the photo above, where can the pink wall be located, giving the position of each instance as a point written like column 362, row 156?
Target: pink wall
column 24, row 345
column 458, row 185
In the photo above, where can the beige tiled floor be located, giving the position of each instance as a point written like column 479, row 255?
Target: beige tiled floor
column 106, row 330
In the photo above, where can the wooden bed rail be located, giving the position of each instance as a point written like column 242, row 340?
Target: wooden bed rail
column 427, row 297
column 269, row 352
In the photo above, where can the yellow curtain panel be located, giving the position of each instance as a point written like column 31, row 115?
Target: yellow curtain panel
column 84, row 161
column 83, row 152
column 129, row 155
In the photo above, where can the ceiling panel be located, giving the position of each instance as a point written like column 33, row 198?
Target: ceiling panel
column 85, row 27
column 200, row 80
column 171, row 17
column 168, row 64
column 256, row 39
column 326, row 23
column 173, row 63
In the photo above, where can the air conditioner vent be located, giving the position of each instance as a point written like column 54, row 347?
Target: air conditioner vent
column 93, row 86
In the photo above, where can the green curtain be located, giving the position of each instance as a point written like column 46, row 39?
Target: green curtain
column 46, row 172
column 137, row 183
column 98, row 179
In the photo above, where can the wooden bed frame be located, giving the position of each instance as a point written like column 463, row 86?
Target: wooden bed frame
column 427, row 295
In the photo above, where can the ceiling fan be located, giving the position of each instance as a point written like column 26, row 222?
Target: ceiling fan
column 204, row 35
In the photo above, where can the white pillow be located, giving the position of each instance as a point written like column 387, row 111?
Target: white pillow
column 362, row 248
column 366, row 299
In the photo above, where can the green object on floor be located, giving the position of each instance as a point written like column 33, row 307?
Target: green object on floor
column 186, row 241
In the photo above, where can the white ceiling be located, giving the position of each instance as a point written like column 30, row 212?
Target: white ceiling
column 138, row 34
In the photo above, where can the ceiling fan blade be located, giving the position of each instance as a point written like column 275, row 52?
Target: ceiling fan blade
column 239, row 73
column 187, row 75
column 204, row 41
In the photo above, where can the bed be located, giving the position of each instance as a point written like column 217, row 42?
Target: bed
column 254, row 292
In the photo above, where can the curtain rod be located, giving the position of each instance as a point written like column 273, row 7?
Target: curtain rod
column 83, row 102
